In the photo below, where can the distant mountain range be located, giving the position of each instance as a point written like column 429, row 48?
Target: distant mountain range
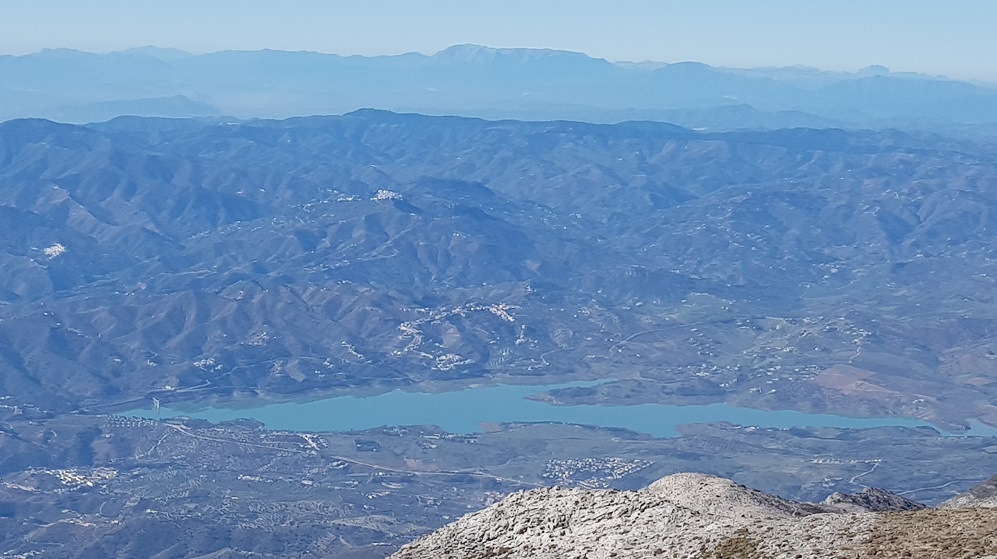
column 470, row 80
column 832, row 271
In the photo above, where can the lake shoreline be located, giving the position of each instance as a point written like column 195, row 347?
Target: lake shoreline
column 465, row 411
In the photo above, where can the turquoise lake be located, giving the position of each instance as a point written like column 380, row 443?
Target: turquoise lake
column 466, row 410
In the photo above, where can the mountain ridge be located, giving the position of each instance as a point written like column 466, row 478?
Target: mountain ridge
column 610, row 241
column 700, row 516
column 472, row 80
column 215, row 261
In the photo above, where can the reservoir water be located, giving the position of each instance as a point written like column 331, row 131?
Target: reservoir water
column 466, row 410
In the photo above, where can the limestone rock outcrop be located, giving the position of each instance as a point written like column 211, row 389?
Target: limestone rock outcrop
column 983, row 495
column 699, row 517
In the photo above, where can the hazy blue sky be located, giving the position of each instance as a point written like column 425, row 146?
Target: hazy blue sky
column 951, row 37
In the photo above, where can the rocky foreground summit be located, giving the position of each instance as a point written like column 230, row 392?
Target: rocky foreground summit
column 700, row 516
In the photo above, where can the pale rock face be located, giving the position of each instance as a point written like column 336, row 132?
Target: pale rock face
column 721, row 497
column 698, row 517
column 983, row 495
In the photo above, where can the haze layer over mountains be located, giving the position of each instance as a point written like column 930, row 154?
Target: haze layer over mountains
column 470, row 80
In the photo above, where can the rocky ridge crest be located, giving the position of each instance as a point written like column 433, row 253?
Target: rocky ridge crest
column 700, row 516
column 983, row 495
